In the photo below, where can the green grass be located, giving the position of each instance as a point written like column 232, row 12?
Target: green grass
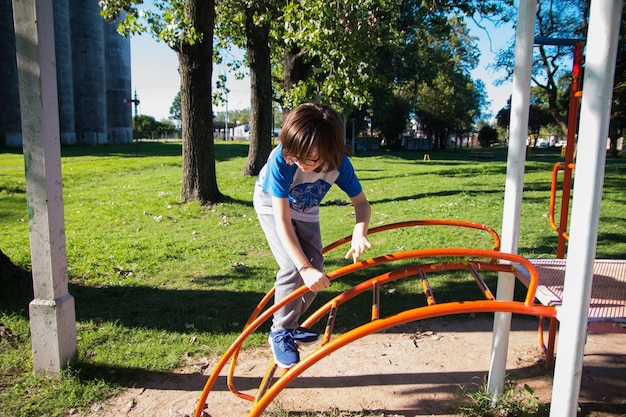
column 513, row 401
column 154, row 280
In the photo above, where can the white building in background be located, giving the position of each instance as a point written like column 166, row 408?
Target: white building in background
column 241, row 132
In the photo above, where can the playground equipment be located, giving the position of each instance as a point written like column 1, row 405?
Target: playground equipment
column 568, row 166
column 601, row 48
column 607, row 307
column 413, row 263
column 607, row 311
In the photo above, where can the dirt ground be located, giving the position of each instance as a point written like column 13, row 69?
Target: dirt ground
column 414, row 370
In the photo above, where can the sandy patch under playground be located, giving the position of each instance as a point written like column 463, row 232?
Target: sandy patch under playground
column 413, row 370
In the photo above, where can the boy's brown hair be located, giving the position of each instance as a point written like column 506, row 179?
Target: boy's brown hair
column 312, row 131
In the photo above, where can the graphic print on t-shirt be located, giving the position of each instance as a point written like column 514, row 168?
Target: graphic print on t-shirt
column 306, row 197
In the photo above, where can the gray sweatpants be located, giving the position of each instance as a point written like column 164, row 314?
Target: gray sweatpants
column 288, row 278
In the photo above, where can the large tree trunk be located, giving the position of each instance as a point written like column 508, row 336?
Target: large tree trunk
column 261, row 113
column 195, row 67
column 551, row 89
column 297, row 66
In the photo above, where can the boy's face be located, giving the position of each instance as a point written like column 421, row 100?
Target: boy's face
column 306, row 165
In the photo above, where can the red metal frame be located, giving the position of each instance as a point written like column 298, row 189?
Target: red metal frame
column 572, row 123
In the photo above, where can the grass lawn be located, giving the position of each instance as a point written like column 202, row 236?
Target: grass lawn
column 155, row 280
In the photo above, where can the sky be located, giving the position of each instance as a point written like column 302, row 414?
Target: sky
column 156, row 82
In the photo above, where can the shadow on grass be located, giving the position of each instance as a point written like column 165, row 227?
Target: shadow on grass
column 223, row 152
column 212, row 311
column 219, row 311
column 446, row 193
column 16, row 287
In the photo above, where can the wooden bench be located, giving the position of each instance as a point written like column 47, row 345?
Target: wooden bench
column 480, row 153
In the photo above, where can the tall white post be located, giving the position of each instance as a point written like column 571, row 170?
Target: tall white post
column 602, row 42
column 524, row 40
column 52, row 315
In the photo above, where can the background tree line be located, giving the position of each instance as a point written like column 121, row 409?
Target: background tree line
column 147, row 127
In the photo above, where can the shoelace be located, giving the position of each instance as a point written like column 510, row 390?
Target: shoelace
column 287, row 340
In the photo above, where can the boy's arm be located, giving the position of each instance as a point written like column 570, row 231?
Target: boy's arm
column 314, row 279
column 363, row 212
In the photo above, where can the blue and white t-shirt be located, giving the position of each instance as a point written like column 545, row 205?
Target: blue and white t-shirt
column 305, row 190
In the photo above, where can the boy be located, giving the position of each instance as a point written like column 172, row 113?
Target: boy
column 287, row 196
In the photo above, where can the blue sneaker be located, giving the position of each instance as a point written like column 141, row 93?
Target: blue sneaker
column 305, row 336
column 284, row 348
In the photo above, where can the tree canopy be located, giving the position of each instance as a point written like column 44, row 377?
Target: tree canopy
column 559, row 25
column 386, row 60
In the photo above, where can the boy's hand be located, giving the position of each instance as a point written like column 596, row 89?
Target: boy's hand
column 314, row 279
column 358, row 246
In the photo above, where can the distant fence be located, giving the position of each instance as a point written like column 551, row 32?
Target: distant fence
column 156, row 136
column 367, row 143
column 416, row 144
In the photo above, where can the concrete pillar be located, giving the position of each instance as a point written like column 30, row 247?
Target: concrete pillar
column 52, row 314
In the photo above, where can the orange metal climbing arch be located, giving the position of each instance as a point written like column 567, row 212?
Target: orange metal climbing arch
column 423, row 263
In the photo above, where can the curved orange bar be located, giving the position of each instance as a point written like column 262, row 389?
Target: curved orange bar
column 346, row 239
column 555, row 172
column 411, row 223
column 396, row 275
column 235, row 347
column 392, row 321
column 445, row 309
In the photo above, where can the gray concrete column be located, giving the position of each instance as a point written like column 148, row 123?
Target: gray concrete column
column 52, row 314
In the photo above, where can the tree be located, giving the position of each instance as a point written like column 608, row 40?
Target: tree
column 246, row 24
column 337, row 52
column 16, row 285
column 618, row 108
column 450, row 102
column 144, row 126
column 381, row 49
column 555, row 20
column 257, row 32
column 487, row 135
column 175, row 112
column 540, row 118
column 187, row 27
column 391, row 120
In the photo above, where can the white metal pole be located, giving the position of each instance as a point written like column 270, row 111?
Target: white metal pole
column 602, row 42
column 524, row 39
column 226, row 135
